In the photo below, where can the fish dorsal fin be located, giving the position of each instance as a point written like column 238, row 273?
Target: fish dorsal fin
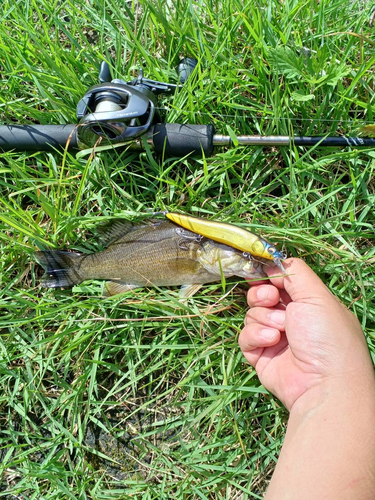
column 113, row 230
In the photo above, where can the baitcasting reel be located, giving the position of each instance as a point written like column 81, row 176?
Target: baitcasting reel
column 118, row 111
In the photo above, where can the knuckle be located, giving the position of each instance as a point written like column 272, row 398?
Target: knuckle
column 256, row 313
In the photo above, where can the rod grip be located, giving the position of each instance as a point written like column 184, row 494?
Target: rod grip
column 175, row 139
column 37, row 137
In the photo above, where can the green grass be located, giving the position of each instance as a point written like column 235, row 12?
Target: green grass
column 139, row 396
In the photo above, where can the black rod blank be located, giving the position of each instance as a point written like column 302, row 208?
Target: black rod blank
column 285, row 140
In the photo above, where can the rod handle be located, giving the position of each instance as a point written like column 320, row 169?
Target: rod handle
column 174, row 139
column 37, row 137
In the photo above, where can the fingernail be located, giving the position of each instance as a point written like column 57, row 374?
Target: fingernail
column 268, row 333
column 277, row 317
column 262, row 293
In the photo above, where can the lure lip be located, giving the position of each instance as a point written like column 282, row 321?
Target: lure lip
column 277, row 257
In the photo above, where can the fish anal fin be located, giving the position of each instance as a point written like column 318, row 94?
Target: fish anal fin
column 187, row 291
column 114, row 288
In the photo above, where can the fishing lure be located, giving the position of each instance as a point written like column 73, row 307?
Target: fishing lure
column 231, row 235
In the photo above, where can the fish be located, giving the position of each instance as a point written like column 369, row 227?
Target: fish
column 157, row 253
column 230, row 235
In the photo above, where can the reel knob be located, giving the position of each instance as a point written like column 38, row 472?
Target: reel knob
column 185, row 68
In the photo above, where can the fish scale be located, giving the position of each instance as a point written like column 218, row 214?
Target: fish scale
column 122, row 262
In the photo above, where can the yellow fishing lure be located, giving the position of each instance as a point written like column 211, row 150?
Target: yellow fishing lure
column 231, row 235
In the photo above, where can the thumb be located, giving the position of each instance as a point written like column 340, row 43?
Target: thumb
column 301, row 283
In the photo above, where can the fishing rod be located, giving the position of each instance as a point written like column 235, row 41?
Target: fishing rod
column 120, row 113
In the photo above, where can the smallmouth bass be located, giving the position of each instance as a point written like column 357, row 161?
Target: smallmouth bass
column 152, row 254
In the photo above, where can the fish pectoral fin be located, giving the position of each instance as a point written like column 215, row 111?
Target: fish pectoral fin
column 187, row 291
column 114, row 288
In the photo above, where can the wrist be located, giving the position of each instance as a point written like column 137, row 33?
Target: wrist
column 329, row 448
column 355, row 388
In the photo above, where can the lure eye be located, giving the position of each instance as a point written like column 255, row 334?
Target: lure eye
column 271, row 250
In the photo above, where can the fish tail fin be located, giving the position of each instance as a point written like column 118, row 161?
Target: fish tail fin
column 61, row 268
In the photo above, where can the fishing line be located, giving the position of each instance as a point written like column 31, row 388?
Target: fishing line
column 214, row 115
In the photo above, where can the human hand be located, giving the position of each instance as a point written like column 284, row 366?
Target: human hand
column 298, row 335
